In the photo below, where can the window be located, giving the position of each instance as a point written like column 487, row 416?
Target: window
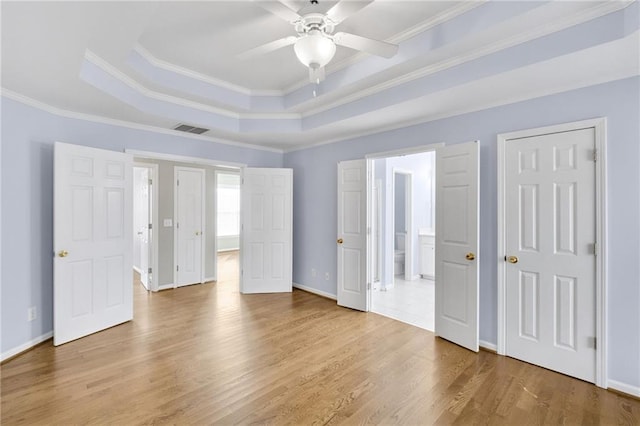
column 228, row 202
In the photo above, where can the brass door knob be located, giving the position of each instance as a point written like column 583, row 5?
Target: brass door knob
column 340, row 241
column 63, row 253
column 197, row 232
column 470, row 256
column 512, row 259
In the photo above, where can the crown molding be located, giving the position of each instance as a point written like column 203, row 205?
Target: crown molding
column 628, row 71
column 170, row 67
column 131, row 83
column 127, row 124
column 600, row 9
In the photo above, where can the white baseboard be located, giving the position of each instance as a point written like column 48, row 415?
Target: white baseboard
column 206, row 280
column 135, row 268
column 25, row 346
column 487, row 345
column 623, row 387
column 315, row 291
column 166, row 286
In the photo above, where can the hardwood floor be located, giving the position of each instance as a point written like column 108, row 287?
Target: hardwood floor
column 205, row 354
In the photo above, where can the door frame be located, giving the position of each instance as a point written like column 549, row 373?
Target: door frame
column 155, row 227
column 370, row 158
column 203, row 220
column 600, row 127
column 408, row 219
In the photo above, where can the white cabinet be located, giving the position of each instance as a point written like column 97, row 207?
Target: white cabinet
column 427, row 256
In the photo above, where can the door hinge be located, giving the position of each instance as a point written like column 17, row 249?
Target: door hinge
column 595, row 155
column 149, row 270
column 150, row 226
column 177, row 268
column 595, row 249
column 368, row 286
column 177, row 182
column 177, row 225
column 150, row 181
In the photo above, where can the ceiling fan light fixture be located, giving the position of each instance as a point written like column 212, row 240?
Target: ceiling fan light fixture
column 314, row 49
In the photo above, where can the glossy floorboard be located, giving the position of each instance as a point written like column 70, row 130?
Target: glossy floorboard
column 206, row 354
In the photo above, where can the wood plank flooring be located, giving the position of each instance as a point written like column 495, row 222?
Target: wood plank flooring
column 205, row 354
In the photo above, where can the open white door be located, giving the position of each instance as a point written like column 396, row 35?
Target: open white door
column 352, row 237
column 93, row 241
column 267, row 230
column 456, row 274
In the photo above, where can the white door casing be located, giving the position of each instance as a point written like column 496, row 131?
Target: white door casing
column 550, row 236
column 93, row 241
column 189, row 228
column 266, row 243
column 351, row 273
column 456, row 274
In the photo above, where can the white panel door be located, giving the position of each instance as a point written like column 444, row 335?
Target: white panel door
column 550, row 236
column 456, row 273
column 352, row 237
column 267, row 230
column 189, row 212
column 93, row 241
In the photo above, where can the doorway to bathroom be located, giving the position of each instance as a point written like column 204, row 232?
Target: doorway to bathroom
column 403, row 238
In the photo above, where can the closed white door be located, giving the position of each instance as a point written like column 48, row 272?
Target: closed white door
column 267, row 230
column 189, row 227
column 456, row 273
column 550, row 242
column 352, row 237
column 92, row 241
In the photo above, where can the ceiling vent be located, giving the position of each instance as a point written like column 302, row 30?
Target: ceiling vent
column 190, row 129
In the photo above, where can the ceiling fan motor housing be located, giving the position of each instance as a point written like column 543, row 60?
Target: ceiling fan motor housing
column 314, row 21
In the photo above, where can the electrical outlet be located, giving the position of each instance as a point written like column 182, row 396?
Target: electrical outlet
column 326, row 276
column 32, row 313
column 314, row 273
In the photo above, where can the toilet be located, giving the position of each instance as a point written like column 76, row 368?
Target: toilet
column 398, row 262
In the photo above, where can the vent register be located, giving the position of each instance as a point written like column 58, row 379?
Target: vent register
column 190, row 129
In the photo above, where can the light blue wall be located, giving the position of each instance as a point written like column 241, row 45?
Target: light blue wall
column 28, row 135
column 315, row 191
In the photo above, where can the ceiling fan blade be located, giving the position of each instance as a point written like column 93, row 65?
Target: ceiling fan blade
column 343, row 9
column 266, row 48
column 369, row 45
column 316, row 75
column 279, row 9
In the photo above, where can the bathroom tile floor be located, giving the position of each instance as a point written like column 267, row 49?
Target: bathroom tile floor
column 412, row 302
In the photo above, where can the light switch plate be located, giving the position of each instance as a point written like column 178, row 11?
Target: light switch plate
column 167, row 223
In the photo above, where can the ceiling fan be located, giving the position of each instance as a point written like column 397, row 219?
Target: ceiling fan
column 315, row 44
